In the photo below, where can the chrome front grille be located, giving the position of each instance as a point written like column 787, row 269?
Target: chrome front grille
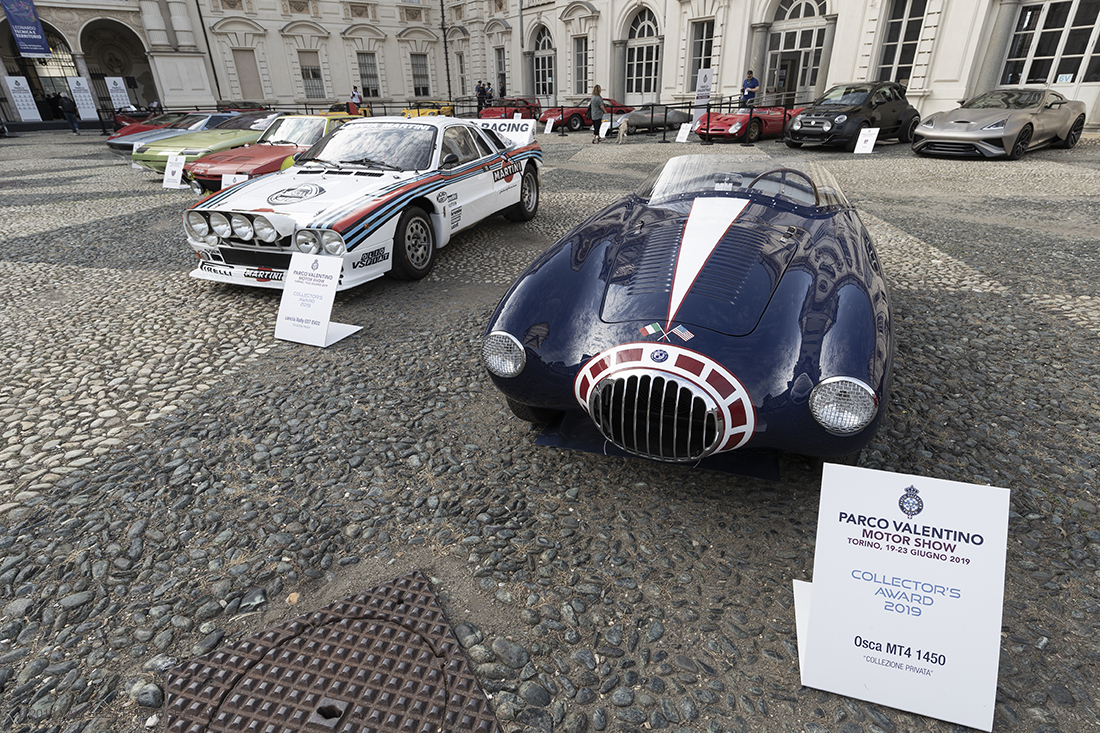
column 657, row 416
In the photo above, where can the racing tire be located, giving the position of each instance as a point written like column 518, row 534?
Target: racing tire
column 413, row 245
column 575, row 123
column 631, row 129
column 792, row 144
column 754, row 131
column 850, row 146
column 528, row 204
column 1020, row 146
column 909, row 130
column 1074, row 133
column 527, row 413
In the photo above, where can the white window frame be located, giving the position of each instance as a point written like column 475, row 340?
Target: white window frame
column 1019, row 65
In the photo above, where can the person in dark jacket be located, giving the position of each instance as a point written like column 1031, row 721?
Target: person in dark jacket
column 68, row 108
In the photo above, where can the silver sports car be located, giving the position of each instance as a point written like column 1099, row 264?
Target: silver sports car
column 1003, row 123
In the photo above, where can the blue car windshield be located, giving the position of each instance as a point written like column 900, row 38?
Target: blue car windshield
column 794, row 180
column 406, row 146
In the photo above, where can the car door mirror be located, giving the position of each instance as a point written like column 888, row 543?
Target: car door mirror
column 450, row 160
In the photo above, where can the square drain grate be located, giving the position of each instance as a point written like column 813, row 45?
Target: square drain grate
column 382, row 661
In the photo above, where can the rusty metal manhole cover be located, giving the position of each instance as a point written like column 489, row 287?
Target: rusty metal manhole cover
column 384, row 660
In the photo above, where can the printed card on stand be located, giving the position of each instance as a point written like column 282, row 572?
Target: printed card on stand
column 907, row 593
column 866, row 141
column 173, row 172
column 309, row 290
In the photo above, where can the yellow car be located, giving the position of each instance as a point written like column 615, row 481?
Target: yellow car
column 429, row 109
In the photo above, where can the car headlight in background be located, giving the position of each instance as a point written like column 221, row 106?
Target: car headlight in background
column 264, row 229
column 840, row 119
column 242, row 227
column 333, row 242
column 826, row 125
column 930, row 122
column 220, row 224
column 503, row 354
column 196, row 224
column 194, row 151
column 142, row 150
column 843, row 405
column 736, row 127
column 307, row 241
column 796, row 123
column 195, row 186
column 998, row 125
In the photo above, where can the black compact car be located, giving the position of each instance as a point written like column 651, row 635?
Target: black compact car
column 839, row 115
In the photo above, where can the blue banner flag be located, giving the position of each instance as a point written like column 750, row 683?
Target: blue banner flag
column 26, row 28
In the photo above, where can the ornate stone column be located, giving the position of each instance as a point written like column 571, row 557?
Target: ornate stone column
column 528, row 73
column 826, row 55
column 617, row 82
column 181, row 24
column 82, row 67
column 155, row 26
column 999, row 36
column 660, row 68
column 759, row 50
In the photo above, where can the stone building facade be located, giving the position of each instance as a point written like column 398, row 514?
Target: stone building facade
column 311, row 52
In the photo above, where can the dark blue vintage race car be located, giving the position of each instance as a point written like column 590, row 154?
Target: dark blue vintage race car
column 728, row 303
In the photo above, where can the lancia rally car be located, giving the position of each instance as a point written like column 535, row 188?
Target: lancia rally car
column 727, row 304
column 381, row 193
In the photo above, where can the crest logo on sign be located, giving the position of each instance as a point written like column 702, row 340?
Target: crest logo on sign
column 910, row 504
column 293, row 195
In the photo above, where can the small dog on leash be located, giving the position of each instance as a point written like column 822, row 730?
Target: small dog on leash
column 622, row 131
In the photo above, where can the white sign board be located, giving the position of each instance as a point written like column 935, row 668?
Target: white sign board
column 173, row 172
column 232, row 179
column 702, row 94
column 907, row 593
column 309, row 290
column 866, row 141
column 116, row 87
column 23, row 99
column 549, row 125
column 682, row 135
column 605, row 125
column 82, row 95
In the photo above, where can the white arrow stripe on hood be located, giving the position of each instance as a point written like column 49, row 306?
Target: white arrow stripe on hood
column 707, row 223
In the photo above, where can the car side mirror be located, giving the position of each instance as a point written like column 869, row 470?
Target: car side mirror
column 297, row 156
column 450, row 160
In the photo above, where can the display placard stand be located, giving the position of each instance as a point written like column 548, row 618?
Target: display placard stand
column 309, row 290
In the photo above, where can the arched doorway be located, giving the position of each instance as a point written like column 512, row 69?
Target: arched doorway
column 112, row 49
column 795, row 44
column 45, row 77
column 544, row 67
column 643, row 53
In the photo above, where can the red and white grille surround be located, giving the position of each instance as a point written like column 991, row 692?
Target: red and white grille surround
column 722, row 389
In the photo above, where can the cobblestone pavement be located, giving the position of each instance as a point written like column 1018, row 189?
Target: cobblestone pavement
column 172, row 477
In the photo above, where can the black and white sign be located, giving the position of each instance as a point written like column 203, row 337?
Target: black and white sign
column 82, row 95
column 702, row 94
column 907, row 593
column 309, row 291
column 23, row 99
column 116, row 87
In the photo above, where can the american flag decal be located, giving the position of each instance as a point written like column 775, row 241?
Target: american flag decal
column 683, row 333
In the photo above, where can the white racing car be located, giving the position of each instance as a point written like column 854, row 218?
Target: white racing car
column 381, row 193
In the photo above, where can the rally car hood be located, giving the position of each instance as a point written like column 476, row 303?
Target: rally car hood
column 217, row 139
column 309, row 192
column 715, row 268
column 244, row 158
column 973, row 119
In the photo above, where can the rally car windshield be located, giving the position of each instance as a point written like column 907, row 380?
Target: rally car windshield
column 794, row 180
column 294, row 131
column 396, row 145
column 849, row 95
column 1006, row 100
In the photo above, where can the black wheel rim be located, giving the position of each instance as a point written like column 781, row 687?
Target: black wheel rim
column 1022, row 142
column 1075, row 131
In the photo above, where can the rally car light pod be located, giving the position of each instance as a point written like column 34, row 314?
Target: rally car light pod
column 196, row 224
column 242, row 227
column 307, row 241
column 843, row 405
column 220, row 224
column 265, row 230
column 333, row 242
column 503, row 354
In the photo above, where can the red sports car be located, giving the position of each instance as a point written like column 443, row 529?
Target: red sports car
column 274, row 151
column 152, row 123
column 506, row 108
column 577, row 117
column 765, row 122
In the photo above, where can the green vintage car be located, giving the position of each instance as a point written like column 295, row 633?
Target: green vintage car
column 233, row 133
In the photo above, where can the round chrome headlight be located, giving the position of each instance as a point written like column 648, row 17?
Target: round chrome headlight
column 796, row 124
column 840, row 119
column 826, row 125
column 242, row 227
column 220, row 224
column 196, row 223
column 503, row 354
column 307, row 241
column 843, row 405
column 333, row 243
column 195, row 186
column 264, row 229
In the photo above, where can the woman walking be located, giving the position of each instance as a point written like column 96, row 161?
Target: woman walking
column 595, row 113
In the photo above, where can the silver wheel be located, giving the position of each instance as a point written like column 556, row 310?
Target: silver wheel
column 413, row 245
column 528, row 204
